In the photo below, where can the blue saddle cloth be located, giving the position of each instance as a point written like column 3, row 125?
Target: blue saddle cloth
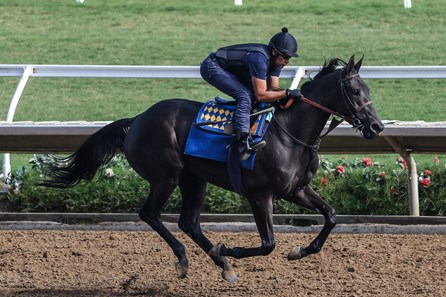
column 211, row 132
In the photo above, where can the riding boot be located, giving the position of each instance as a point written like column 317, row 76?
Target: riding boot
column 247, row 146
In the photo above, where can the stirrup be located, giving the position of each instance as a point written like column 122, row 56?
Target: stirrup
column 248, row 149
column 258, row 145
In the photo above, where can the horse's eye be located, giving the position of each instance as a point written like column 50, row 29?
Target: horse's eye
column 356, row 92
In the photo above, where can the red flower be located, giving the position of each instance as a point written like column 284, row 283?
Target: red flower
column 392, row 191
column 382, row 174
column 323, row 181
column 427, row 172
column 425, row 182
column 436, row 160
column 367, row 162
column 340, row 169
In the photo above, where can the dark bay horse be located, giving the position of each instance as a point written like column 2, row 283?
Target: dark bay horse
column 154, row 141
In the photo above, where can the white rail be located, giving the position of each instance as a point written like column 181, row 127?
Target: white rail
column 294, row 72
column 113, row 71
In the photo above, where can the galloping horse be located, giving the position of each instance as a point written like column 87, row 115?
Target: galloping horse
column 154, row 141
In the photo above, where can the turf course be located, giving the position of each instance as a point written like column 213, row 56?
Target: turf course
column 170, row 32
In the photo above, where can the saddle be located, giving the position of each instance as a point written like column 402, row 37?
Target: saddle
column 212, row 131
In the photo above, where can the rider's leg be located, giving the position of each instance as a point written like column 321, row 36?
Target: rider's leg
column 229, row 84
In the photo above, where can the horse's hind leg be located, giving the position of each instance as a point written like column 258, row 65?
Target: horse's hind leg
column 151, row 214
column 308, row 198
column 262, row 209
column 193, row 192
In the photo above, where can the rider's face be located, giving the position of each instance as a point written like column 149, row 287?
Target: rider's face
column 282, row 59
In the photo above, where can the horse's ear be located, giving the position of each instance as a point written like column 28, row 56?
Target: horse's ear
column 351, row 64
column 358, row 65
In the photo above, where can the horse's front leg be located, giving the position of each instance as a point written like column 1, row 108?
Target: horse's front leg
column 308, row 198
column 263, row 216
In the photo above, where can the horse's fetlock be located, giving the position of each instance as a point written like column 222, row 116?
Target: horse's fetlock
column 180, row 252
column 267, row 248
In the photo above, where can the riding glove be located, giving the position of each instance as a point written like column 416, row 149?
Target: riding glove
column 293, row 94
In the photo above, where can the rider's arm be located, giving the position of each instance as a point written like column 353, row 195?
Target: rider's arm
column 265, row 93
column 273, row 83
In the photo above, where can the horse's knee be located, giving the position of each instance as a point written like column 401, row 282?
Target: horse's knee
column 186, row 228
column 183, row 227
column 331, row 217
column 191, row 228
column 148, row 218
column 329, row 214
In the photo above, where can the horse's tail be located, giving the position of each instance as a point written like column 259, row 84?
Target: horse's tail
column 83, row 164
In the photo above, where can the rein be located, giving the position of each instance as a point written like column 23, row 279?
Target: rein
column 326, row 109
column 335, row 122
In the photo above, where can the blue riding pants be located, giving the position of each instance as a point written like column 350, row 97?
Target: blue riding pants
column 228, row 83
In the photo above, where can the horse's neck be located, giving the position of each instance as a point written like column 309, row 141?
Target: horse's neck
column 304, row 121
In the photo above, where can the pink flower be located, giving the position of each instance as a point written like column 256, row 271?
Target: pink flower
column 382, row 174
column 436, row 160
column 367, row 162
column 425, row 182
column 340, row 169
column 402, row 162
column 427, row 172
column 323, row 181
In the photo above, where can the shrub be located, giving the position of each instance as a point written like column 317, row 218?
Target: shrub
column 357, row 186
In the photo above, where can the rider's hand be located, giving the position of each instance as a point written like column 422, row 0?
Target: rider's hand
column 293, row 94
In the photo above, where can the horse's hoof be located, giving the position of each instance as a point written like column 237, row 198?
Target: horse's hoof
column 230, row 276
column 295, row 253
column 181, row 269
column 215, row 251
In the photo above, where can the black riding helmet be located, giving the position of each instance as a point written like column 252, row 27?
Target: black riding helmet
column 285, row 43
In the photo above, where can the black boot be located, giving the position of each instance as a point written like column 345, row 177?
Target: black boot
column 247, row 146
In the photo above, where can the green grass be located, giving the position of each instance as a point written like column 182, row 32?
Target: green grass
column 168, row 32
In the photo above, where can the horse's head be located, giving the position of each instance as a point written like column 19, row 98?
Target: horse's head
column 356, row 105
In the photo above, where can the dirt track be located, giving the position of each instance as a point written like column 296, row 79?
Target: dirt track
column 138, row 263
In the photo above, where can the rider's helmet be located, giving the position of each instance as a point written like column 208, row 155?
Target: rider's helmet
column 285, row 43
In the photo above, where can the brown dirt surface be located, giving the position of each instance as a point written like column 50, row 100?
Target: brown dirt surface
column 137, row 263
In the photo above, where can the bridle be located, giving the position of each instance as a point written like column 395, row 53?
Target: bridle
column 353, row 119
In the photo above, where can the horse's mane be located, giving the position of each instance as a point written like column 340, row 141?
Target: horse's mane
column 328, row 67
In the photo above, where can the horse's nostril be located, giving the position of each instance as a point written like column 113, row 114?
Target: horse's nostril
column 375, row 127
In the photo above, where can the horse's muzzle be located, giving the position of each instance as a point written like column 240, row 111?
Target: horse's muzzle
column 377, row 127
column 373, row 129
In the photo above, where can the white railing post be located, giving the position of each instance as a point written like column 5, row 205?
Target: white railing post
column 300, row 72
column 412, row 176
column 407, row 3
column 27, row 71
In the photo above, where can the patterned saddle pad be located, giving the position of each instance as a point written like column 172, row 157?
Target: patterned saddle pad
column 211, row 133
column 216, row 116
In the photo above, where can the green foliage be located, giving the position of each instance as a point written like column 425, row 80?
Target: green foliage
column 117, row 188
column 363, row 187
column 351, row 186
